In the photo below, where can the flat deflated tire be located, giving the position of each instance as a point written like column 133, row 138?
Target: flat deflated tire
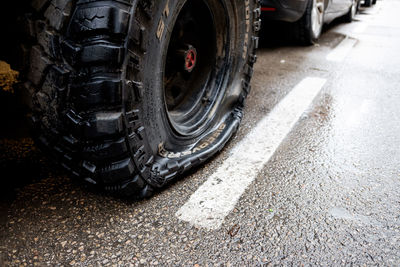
column 130, row 94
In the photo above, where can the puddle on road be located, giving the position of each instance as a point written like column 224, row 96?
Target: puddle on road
column 344, row 214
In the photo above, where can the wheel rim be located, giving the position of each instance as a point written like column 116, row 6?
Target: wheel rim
column 190, row 84
column 354, row 9
column 317, row 16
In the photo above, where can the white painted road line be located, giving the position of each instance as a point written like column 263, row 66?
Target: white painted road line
column 213, row 200
column 361, row 28
column 342, row 50
column 356, row 113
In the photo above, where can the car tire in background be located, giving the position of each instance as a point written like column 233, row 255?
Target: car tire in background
column 368, row 3
column 352, row 12
column 130, row 94
column 308, row 28
column 358, row 5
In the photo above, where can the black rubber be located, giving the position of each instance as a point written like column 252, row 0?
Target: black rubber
column 358, row 5
column 373, row 2
column 302, row 29
column 368, row 3
column 95, row 77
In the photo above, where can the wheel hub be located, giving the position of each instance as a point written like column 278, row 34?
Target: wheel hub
column 190, row 68
column 317, row 14
column 189, row 55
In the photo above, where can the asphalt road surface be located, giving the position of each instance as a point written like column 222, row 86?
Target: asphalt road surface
column 321, row 185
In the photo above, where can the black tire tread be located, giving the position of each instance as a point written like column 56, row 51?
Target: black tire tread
column 75, row 77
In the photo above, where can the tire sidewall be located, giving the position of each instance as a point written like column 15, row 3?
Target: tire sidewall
column 154, row 117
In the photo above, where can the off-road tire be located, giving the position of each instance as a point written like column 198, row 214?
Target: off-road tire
column 373, row 2
column 368, row 3
column 302, row 29
column 95, row 78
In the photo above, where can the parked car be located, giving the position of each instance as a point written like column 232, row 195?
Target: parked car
column 308, row 16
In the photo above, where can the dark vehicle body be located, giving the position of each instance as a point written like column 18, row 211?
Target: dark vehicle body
column 293, row 10
column 284, row 10
column 307, row 17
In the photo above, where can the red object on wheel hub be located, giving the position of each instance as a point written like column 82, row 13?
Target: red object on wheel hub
column 190, row 59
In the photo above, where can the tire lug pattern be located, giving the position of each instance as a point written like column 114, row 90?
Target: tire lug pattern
column 92, row 122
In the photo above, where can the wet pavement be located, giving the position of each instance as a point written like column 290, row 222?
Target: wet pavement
column 328, row 196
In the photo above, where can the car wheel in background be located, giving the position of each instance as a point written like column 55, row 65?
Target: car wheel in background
column 352, row 12
column 308, row 28
column 358, row 5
